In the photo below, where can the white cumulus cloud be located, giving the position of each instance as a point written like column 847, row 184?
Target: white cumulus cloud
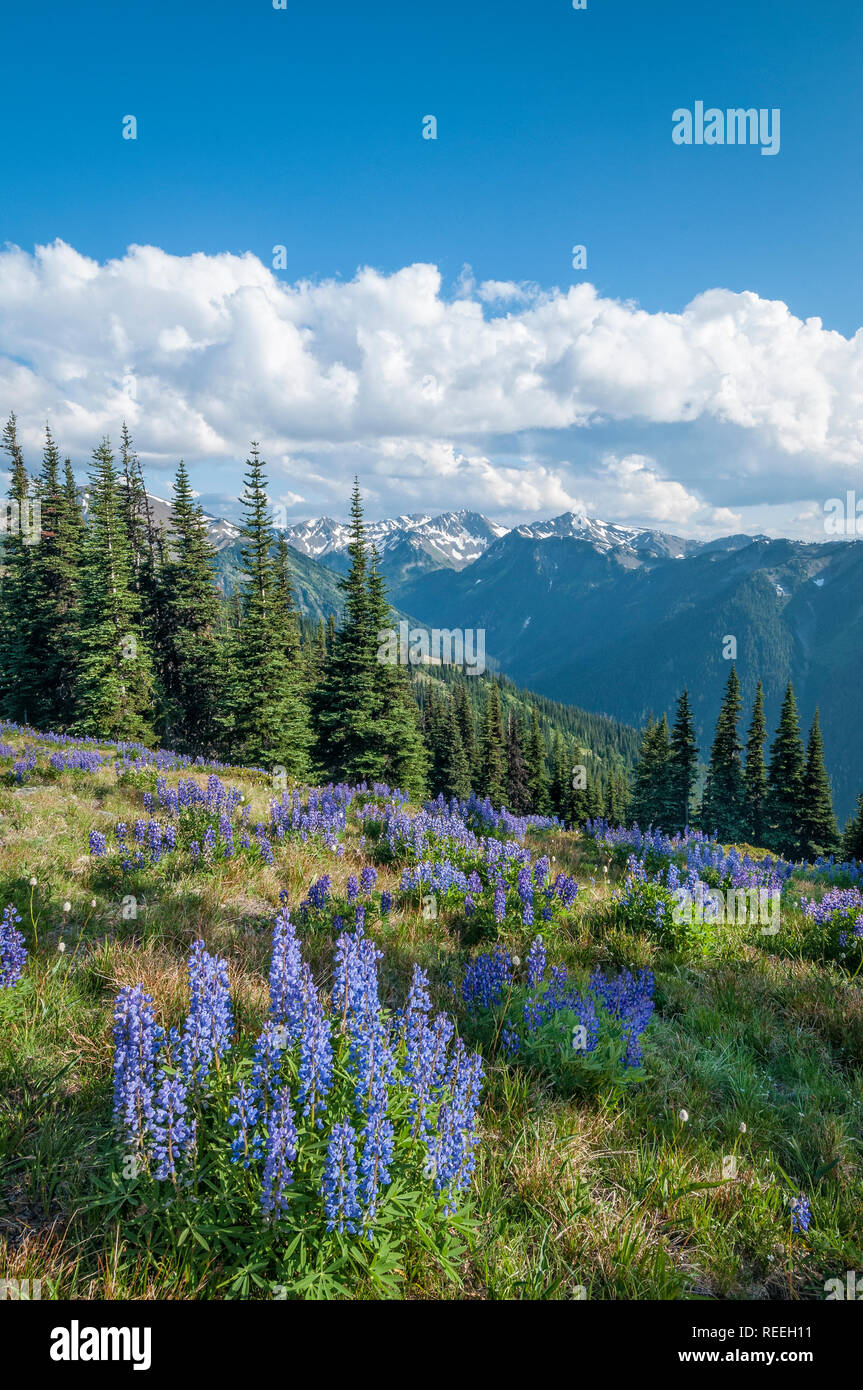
column 202, row 353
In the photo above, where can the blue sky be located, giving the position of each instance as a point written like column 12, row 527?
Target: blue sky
column 302, row 127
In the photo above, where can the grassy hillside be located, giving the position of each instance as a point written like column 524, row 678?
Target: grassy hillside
column 605, row 1193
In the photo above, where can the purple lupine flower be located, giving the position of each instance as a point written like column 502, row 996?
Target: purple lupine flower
column 486, row 979
column 499, row 900
column 368, row 878
column 378, row 1138
column 245, row 1111
column 266, row 1062
column 353, row 887
column 386, row 902
column 629, row 999
column 13, row 952
column 355, row 983
column 421, row 1053
column 316, row 1051
column 137, row 1040
column 319, row 891
column 286, row 996
column 207, row 1030
column 451, row 1147
column 536, row 963
column 98, row 843
column 281, row 1150
column 566, row 889
column 173, row 1134
column 801, row 1214
column 339, row 1184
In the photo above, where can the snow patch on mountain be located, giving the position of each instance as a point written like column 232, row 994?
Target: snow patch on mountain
column 454, row 539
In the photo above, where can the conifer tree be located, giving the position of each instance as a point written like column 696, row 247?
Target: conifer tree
column 133, row 506
column 19, row 660
column 448, row 772
column 786, row 812
column 620, row 793
column 466, row 725
column 578, row 797
column 493, row 755
column 820, row 832
column 517, row 782
column 852, row 839
column 114, row 694
column 651, row 796
column 54, row 618
column 344, row 708
column 146, row 547
column 558, row 790
column 594, row 799
column 722, row 803
column 682, row 765
column 315, row 656
column 536, row 773
column 755, row 774
column 270, row 718
column 191, row 665
column 396, row 745
column 613, row 807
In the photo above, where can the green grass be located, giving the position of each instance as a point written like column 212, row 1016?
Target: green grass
column 587, row 1197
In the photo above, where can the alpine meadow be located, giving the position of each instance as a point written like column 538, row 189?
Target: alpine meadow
column 414, row 887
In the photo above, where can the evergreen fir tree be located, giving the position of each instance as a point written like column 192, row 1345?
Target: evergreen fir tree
column 466, row 726
column 820, row 832
column 396, row 741
column 517, row 782
column 345, row 705
column 651, row 795
column 133, row 506
column 536, row 773
column 559, row 788
column 852, row 839
column 19, row 659
column 613, row 808
column 191, row 665
column 146, row 548
column 722, row 803
column 493, row 756
column 270, row 719
column 594, row 799
column 448, row 772
column 682, row 765
column 578, row 799
column 621, row 797
column 114, row 694
column 755, row 775
column 315, row 656
column 55, row 619
column 786, row 811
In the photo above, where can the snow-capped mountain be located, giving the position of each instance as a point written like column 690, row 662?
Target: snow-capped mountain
column 453, row 539
column 220, row 531
column 605, row 536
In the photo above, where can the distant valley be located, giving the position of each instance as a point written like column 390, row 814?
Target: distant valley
column 618, row 619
